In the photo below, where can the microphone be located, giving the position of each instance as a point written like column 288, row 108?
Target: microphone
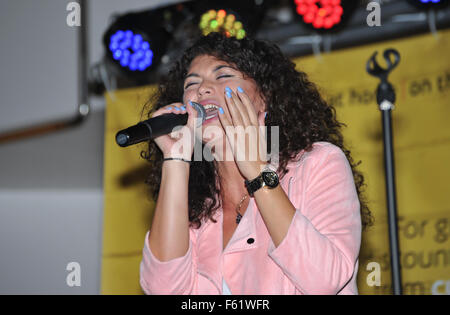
column 156, row 126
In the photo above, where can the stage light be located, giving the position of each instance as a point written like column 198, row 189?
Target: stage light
column 324, row 14
column 234, row 18
column 136, row 43
column 131, row 50
column 221, row 21
column 133, row 46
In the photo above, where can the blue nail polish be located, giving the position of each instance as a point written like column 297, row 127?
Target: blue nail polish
column 221, row 112
column 190, row 103
column 228, row 89
column 177, row 109
column 169, row 108
column 228, row 94
column 240, row 89
column 183, row 108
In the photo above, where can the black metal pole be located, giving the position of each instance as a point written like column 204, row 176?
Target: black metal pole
column 385, row 100
column 391, row 201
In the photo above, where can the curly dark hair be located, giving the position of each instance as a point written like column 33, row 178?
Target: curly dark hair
column 302, row 114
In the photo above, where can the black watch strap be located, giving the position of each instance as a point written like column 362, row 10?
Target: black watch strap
column 254, row 185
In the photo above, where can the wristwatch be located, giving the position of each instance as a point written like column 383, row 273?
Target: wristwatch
column 268, row 178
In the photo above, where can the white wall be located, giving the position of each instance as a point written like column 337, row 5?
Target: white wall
column 41, row 232
column 38, row 59
column 51, row 190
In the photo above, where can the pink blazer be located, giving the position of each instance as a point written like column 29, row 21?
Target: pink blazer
column 319, row 254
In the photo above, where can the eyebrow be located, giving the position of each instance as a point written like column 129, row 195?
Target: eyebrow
column 215, row 69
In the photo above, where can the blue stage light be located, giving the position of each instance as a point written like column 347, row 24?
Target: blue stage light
column 131, row 50
column 429, row 4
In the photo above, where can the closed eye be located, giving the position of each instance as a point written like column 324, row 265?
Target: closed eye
column 188, row 85
column 219, row 77
column 225, row 76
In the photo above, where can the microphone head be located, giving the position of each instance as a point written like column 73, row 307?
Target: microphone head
column 201, row 113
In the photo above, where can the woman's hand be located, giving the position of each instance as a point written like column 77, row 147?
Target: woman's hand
column 179, row 143
column 245, row 130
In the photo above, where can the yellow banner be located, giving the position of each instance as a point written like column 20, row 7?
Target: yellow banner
column 127, row 204
column 422, row 160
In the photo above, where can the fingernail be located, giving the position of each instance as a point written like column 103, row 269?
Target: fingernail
column 177, row 109
column 240, row 89
column 183, row 108
column 190, row 103
column 221, row 112
column 227, row 89
column 169, row 108
column 228, row 94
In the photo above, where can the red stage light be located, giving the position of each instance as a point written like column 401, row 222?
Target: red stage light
column 322, row 14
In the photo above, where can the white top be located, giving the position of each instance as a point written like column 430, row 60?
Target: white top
column 225, row 289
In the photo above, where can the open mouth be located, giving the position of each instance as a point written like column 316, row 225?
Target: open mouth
column 211, row 111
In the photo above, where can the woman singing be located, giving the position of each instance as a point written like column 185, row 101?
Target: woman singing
column 230, row 225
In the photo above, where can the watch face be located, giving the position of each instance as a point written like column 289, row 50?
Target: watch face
column 270, row 178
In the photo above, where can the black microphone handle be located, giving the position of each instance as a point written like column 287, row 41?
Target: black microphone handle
column 164, row 124
column 150, row 129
